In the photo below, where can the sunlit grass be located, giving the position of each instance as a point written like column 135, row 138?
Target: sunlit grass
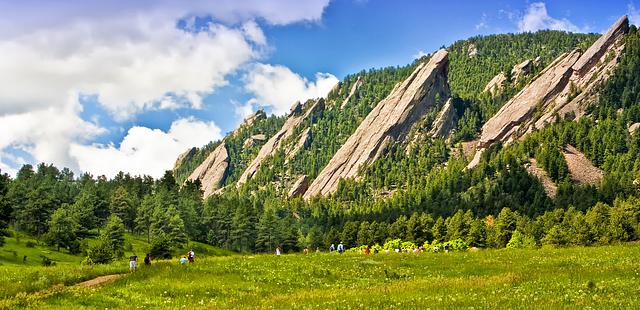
column 598, row 277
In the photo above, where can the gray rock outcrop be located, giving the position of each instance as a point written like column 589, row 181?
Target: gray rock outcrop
column 496, row 83
column 389, row 121
column 303, row 141
column 251, row 140
column 566, row 85
column 521, row 69
column 299, row 187
column 184, row 156
column 445, row 121
column 353, row 90
column 212, row 170
column 297, row 115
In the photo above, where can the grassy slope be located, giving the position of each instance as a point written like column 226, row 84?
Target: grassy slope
column 602, row 277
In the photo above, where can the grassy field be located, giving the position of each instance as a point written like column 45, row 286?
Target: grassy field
column 596, row 277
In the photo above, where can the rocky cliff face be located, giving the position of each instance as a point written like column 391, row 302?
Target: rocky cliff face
column 390, row 120
column 445, row 121
column 353, row 90
column 299, row 187
column 184, row 156
column 566, row 85
column 297, row 115
column 212, row 171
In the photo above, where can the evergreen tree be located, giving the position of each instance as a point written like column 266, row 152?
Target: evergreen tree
column 122, row 206
column 5, row 206
column 266, row 236
column 113, row 236
column 63, row 228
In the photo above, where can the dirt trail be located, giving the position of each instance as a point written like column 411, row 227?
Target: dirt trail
column 99, row 280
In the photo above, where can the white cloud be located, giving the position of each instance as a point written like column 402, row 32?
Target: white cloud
column 420, row 54
column 279, row 88
column 634, row 14
column 131, row 56
column 144, row 150
column 254, row 33
column 536, row 18
column 483, row 22
column 243, row 110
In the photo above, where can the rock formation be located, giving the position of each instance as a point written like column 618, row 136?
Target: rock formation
column 297, row 115
column 566, row 85
column 580, row 167
column 472, row 50
column 251, row 140
column 549, row 186
column 389, row 121
column 253, row 118
column 211, row 171
column 521, row 69
column 299, row 187
column 445, row 121
column 496, row 83
column 303, row 141
column 184, row 156
column 353, row 90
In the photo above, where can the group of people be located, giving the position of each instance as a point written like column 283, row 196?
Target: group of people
column 133, row 261
column 339, row 249
column 190, row 257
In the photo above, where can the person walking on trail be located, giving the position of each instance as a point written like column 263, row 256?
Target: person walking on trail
column 277, row 250
column 340, row 248
column 183, row 260
column 133, row 262
column 332, row 248
column 191, row 256
column 147, row 259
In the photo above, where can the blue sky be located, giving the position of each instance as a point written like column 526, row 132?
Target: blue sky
column 107, row 86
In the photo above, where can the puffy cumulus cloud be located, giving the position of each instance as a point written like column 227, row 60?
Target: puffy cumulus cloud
column 144, row 150
column 45, row 134
column 142, row 65
column 278, row 87
column 130, row 55
column 536, row 18
column 25, row 16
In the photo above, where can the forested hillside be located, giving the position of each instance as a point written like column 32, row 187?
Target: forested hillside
column 418, row 190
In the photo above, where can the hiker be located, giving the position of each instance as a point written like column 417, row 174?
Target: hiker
column 366, row 251
column 340, row 248
column 133, row 262
column 192, row 256
column 332, row 248
column 305, row 251
column 183, row 260
column 277, row 250
column 446, row 248
column 147, row 259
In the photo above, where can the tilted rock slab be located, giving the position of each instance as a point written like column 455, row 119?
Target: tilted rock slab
column 445, row 121
column 390, row 120
column 552, row 93
column 353, row 90
column 211, row 171
column 184, row 156
column 299, row 187
column 297, row 115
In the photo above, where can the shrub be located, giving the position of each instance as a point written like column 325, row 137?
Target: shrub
column 521, row 241
column 100, row 253
column 160, row 247
column 457, row 245
column 47, row 261
column 392, row 245
column 30, row 244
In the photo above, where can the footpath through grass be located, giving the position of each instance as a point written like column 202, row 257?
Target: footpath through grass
column 597, row 277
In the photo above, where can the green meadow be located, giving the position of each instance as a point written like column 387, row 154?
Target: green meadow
column 579, row 278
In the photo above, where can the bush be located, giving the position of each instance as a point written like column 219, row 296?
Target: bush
column 100, row 253
column 521, row 241
column 392, row 245
column 30, row 244
column 47, row 261
column 457, row 245
column 160, row 247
